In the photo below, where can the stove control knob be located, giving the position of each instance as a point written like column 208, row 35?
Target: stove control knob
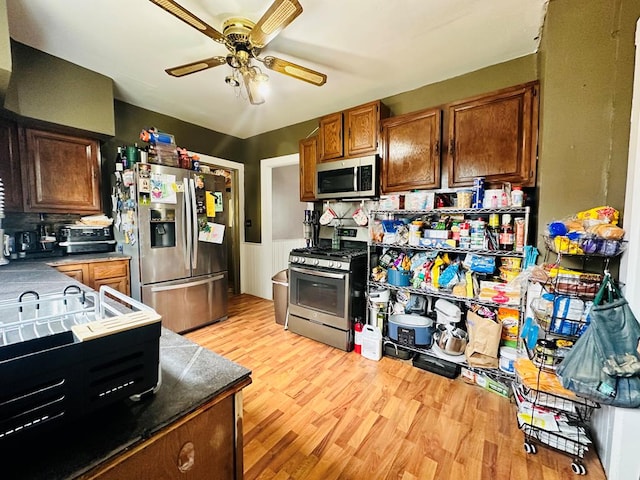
column 316, row 261
column 330, row 265
column 302, row 259
column 293, row 259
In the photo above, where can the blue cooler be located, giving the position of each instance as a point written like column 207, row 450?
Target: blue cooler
column 411, row 330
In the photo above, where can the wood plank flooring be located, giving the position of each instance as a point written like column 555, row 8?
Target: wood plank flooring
column 316, row 412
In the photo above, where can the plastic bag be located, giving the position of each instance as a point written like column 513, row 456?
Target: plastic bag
column 610, row 344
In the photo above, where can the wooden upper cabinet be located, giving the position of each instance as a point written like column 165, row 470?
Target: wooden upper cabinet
column 411, row 151
column 352, row 133
column 10, row 166
column 494, row 136
column 61, row 173
column 363, row 128
column 330, row 137
column 308, row 158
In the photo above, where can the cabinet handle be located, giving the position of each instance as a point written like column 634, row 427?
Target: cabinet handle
column 452, row 147
column 436, row 148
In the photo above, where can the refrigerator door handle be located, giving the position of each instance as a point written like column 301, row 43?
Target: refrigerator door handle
column 186, row 225
column 186, row 285
column 194, row 220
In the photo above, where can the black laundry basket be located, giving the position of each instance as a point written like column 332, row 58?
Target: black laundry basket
column 281, row 295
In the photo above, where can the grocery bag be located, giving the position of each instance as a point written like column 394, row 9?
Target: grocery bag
column 484, row 341
column 604, row 363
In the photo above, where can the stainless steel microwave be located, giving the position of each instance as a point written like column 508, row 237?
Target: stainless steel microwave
column 352, row 178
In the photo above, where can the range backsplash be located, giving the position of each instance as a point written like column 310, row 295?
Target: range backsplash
column 16, row 222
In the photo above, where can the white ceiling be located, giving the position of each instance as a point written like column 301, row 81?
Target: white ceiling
column 369, row 49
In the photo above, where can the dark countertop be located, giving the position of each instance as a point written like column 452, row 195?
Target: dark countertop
column 191, row 375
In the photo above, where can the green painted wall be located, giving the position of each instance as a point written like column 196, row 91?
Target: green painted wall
column 285, row 140
column 586, row 63
column 130, row 120
column 47, row 88
column 5, row 51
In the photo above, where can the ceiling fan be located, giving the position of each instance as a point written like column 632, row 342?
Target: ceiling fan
column 245, row 40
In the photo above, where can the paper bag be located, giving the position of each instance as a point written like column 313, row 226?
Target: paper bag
column 484, row 341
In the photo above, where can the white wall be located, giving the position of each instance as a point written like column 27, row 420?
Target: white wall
column 263, row 260
column 618, row 428
column 287, row 211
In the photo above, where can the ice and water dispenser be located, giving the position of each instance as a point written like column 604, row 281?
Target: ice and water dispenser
column 163, row 227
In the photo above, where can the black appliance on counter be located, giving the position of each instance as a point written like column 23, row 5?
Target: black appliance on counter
column 31, row 244
column 86, row 239
column 327, row 288
column 27, row 241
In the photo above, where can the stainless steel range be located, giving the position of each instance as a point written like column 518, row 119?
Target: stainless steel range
column 327, row 288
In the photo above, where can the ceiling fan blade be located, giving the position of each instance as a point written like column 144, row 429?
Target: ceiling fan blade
column 295, row 71
column 280, row 14
column 255, row 97
column 186, row 16
column 194, row 67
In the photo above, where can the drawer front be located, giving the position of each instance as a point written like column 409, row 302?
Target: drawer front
column 109, row 269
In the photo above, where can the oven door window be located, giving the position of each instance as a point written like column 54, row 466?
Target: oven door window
column 341, row 180
column 320, row 291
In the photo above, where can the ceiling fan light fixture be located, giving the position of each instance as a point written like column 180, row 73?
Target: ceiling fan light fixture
column 232, row 81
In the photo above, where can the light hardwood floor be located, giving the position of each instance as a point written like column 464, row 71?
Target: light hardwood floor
column 316, row 412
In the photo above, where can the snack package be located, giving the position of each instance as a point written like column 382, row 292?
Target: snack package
column 598, row 215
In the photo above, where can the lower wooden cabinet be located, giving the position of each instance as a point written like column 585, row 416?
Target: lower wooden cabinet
column 114, row 273
column 199, row 446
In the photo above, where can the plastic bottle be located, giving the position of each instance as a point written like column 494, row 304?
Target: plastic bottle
column 506, row 234
column 517, row 196
column 335, row 239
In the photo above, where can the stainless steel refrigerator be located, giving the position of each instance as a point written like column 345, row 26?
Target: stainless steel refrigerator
column 172, row 223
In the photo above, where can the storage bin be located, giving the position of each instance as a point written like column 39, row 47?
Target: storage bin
column 399, row 278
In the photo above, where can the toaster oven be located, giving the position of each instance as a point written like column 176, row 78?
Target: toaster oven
column 86, row 239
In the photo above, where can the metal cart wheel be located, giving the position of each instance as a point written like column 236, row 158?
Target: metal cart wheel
column 530, row 448
column 578, row 468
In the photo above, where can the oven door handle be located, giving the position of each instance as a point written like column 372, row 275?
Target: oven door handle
column 318, row 273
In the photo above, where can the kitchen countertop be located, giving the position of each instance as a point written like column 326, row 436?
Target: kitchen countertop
column 191, row 375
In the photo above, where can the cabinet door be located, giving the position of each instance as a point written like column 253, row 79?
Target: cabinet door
column 331, row 137
column 363, row 125
column 308, row 156
column 61, row 172
column 494, row 136
column 411, row 151
column 114, row 273
column 201, row 446
column 10, row 166
column 77, row 271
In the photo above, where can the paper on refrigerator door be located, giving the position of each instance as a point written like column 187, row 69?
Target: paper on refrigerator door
column 212, row 233
column 162, row 190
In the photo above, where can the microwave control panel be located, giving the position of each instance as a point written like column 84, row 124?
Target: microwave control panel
column 366, row 178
